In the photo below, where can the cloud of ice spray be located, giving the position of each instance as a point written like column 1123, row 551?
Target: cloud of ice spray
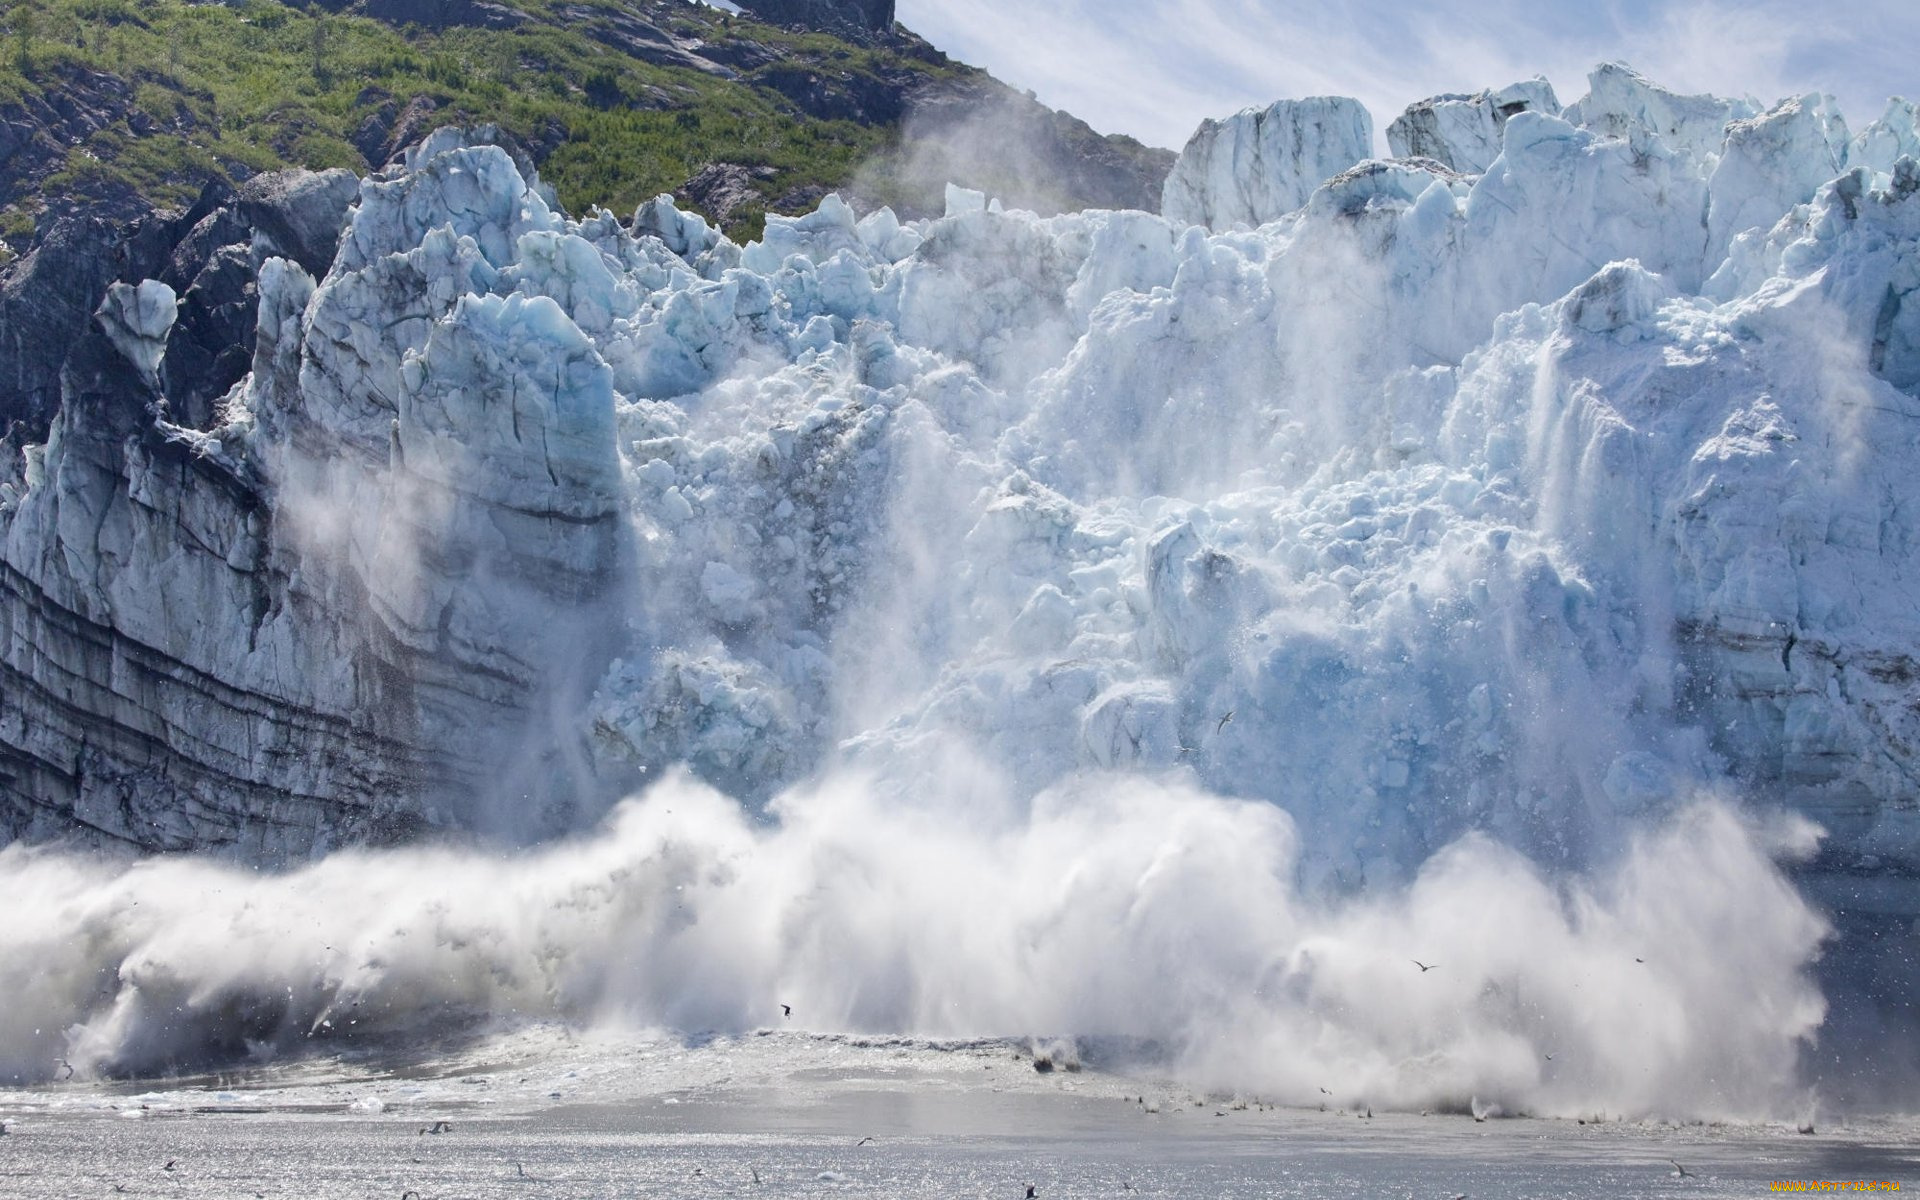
column 1112, row 905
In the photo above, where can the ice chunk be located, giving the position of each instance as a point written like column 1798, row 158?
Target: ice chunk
column 138, row 319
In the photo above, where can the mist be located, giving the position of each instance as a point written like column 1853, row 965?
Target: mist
column 1671, row 982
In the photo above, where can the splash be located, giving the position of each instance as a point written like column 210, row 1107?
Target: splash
column 1143, row 909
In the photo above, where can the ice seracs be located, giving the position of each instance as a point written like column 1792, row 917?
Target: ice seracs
column 1263, row 163
column 1621, row 102
column 1462, row 132
column 1526, row 494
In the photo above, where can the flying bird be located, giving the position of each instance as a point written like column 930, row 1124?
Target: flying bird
column 1032, row 1192
column 1684, row 1173
column 786, row 1010
column 863, row 1141
column 1424, row 967
column 1224, row 722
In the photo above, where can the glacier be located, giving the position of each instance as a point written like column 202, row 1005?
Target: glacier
column 1471, row 526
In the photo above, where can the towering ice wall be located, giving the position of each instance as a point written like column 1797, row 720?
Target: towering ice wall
column 1530, row 502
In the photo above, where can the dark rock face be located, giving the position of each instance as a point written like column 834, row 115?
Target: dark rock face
column 208, row 255
column 300, row 213
column 722, row 189
column 649, row 43
column 861, row 18
column 45, row 299
column 838, row 95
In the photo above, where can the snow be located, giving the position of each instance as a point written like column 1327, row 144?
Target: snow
column 1356, row 563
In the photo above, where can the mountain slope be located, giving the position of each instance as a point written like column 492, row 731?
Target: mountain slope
column 116, row 105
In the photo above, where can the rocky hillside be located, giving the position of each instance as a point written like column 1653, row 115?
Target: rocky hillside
column 125, row 124
column 114, row 105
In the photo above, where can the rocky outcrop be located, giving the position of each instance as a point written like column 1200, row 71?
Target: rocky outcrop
column 980, row 133
column 860, row 19
column 37, row 131
column 208, row 254
column 723, row 190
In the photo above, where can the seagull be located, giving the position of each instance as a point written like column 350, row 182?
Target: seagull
column 1424, row 967
column 1224, row 722
column 786, row 1010
column 1684, row 1173
column 1640, row 960
column 1032, row 1192
column 756, row 1173
column 863, row 1141
column 1186, row 749
column 1325, row 1092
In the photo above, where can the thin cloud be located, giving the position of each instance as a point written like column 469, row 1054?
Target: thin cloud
column 1155, row 70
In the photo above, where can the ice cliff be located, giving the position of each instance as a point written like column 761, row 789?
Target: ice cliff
column 1530, row 485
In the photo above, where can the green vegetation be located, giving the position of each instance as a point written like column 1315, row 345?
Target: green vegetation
column 226, row 90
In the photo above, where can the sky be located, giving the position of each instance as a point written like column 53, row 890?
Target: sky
column 1156, row 68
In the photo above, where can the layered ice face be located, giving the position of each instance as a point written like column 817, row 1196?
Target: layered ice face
column 1532, row 490
column 1532, row 501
